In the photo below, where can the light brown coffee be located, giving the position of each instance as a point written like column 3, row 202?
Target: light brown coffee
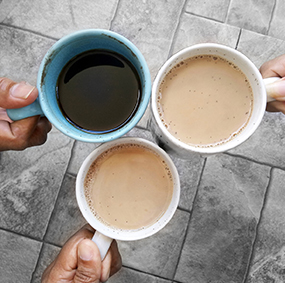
column 205, row 101
column 128, row 187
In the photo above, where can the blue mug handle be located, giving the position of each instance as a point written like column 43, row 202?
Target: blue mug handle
column 33, row 109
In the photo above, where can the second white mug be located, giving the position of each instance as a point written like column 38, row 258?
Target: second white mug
column 105, row 233
column 185, row 150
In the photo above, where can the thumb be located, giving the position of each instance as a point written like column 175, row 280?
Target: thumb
column 89, row 263
column 16, row 95
column 277, row 89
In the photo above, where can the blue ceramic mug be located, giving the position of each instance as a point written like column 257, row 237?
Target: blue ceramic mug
column 58, row 56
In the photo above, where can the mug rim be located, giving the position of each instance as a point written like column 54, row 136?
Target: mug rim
column 123, row 234
column 72, row 131
column 171, row 62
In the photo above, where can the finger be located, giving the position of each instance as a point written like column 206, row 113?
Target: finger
column 89, row 262
column 64, row 266
column 47, row 274
column 106, row 266
column 24, row 133
column 112, row 262
column 22, row 130
column 68, row 254
column 4, row 116
column 39, row 135
column 274, row 67
column 277, row 89
column 16, row 95
column 276, row 106
column 15, row 136
column 116, row 262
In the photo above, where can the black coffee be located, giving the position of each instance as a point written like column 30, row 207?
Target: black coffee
column 98, row 91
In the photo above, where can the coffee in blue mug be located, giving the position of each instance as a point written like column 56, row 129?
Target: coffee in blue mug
column 94, row 86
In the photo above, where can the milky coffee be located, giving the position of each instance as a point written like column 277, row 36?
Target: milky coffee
column 128, row 187
column 205, row 101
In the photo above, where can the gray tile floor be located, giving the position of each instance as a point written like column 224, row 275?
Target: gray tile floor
column 230, row 224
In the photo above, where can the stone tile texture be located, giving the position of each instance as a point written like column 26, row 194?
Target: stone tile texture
column 229, row 226
column 277, row 20
column 130, row 275
column 269, row 253
column 272, row 270
column 267, row 143
column 66, row 217
column 47, row 255
column 58, row 18
column 18, row 257
column 193, row 30
column 151, row 26
column 30, row 182
column 259, row 48
column 223, row 222
column 252, row 15
column 211, row 9
column 21, row 53
column 158, row 254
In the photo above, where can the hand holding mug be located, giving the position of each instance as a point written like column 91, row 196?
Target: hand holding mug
column 80, row 261
column 24, row 133
column 275, row 68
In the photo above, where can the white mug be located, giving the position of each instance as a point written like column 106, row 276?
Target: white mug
column 260, row 98
column 105, row 234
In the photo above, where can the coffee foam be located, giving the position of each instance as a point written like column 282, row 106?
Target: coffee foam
column 93, row 172
column 183, row 63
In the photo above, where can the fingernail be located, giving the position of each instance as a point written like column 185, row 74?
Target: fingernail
column 85, row 250
column 21, row 90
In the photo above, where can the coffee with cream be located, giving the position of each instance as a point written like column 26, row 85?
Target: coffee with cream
column 128, row 187
column 205, row 101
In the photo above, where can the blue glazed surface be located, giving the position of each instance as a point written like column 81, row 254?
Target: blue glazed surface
column 27, row 111
column 62, row 52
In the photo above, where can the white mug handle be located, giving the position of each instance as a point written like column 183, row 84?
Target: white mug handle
column 269, row 89
column 103, row 243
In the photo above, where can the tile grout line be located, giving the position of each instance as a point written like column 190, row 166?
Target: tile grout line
column 228, row 12
column 115, row 14
column 205, row 18
column 39, row 257
column 30, row 238
column 56, row 200
column 190, row 217
column 28, row 31
column 272, row 15
column 142, row 128
column 238, row 40
column 257, row 228
column 146, row 273
column 183, row 10
column 254, row 161
column 71, row 12
column 43, row 239
column 37, row 263
column 21, row 235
